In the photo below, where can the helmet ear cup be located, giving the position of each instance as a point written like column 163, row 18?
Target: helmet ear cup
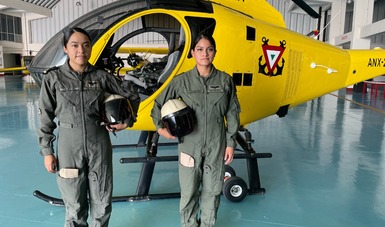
column 178, row 118
column 117, row 109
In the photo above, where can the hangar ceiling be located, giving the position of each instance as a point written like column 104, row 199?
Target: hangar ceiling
column 41, row 7
column 44, row 7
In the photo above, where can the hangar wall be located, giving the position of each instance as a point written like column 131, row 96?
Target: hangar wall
column 62, row 14
column 299, row 22
column 66, row 11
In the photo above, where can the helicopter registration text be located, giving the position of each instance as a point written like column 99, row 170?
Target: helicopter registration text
column 376, row 62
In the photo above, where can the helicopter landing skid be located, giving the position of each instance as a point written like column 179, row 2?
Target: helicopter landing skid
column 145, row 178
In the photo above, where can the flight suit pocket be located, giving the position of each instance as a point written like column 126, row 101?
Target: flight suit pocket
column 98, row 184
column 68, row 94
column 193, row 98
column 216, row 90
column 217, row 98
column 214, row 177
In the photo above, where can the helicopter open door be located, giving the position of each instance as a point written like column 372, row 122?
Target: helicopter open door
column 150, row 67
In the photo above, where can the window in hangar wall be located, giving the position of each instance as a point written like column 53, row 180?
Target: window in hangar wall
column 10, row 28
column 378, row 40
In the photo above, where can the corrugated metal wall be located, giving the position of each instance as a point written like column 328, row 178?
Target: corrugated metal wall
column 301, row 23
column 63, row 13
column 68, row 10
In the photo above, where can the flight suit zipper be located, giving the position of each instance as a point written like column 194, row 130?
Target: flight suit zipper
column 82, row 114
column 204, row 80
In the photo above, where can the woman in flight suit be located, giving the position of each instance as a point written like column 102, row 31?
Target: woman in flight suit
column 211, row 94
column 74, row 94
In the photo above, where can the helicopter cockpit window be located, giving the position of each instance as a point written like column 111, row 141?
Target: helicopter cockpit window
column 146, row 50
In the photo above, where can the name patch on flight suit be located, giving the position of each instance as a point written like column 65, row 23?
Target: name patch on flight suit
column 215, row 88
column 69, row 173
column 186, row 160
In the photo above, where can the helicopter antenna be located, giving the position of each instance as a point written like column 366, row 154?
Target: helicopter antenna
column 319, row 33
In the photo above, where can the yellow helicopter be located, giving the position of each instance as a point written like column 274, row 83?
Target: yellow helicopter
column 274, row 69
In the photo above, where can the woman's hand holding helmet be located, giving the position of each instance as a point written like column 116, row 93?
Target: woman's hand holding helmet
column 116, row 127
column 164, row 132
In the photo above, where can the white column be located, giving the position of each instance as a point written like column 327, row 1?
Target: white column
column 362, row 15
column 338, row 11
column 1, row 58
column 26, row 32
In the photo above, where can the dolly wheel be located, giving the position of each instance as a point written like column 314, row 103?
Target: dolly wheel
column 235, row 189
column 229, row 172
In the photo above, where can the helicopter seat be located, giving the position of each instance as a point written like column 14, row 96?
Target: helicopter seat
column 173, row 59
column 130, row 76
column 171, row 63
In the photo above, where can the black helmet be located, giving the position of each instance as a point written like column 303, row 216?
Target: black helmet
column 178, row 118
column 117, row 109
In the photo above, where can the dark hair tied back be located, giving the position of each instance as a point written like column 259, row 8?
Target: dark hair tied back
column 69, row 31
column 203, row 36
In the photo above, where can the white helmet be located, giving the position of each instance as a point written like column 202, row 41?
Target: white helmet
column 178, row 118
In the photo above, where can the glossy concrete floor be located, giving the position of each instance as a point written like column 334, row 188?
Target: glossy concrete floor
column 327, row 168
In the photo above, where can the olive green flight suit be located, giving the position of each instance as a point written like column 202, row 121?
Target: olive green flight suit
column 201, row 155
column 83, row 144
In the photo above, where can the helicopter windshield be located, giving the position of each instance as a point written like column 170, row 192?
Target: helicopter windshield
column 147, row 30
column 95, row 23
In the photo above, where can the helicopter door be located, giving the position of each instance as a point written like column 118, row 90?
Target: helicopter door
column 146, row 50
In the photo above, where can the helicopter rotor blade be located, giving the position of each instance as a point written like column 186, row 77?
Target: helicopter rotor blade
column 303, row 5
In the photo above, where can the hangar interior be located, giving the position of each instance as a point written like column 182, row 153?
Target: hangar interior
column 343, row 23
column 327, row 165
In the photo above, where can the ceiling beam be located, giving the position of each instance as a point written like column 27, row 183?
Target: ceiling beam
column 295, row 6
column 26, row 7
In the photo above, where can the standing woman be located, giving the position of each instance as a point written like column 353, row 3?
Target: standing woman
column 211, row 94
column 74, row 94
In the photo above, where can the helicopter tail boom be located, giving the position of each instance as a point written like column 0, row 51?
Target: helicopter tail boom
column 365, row 64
